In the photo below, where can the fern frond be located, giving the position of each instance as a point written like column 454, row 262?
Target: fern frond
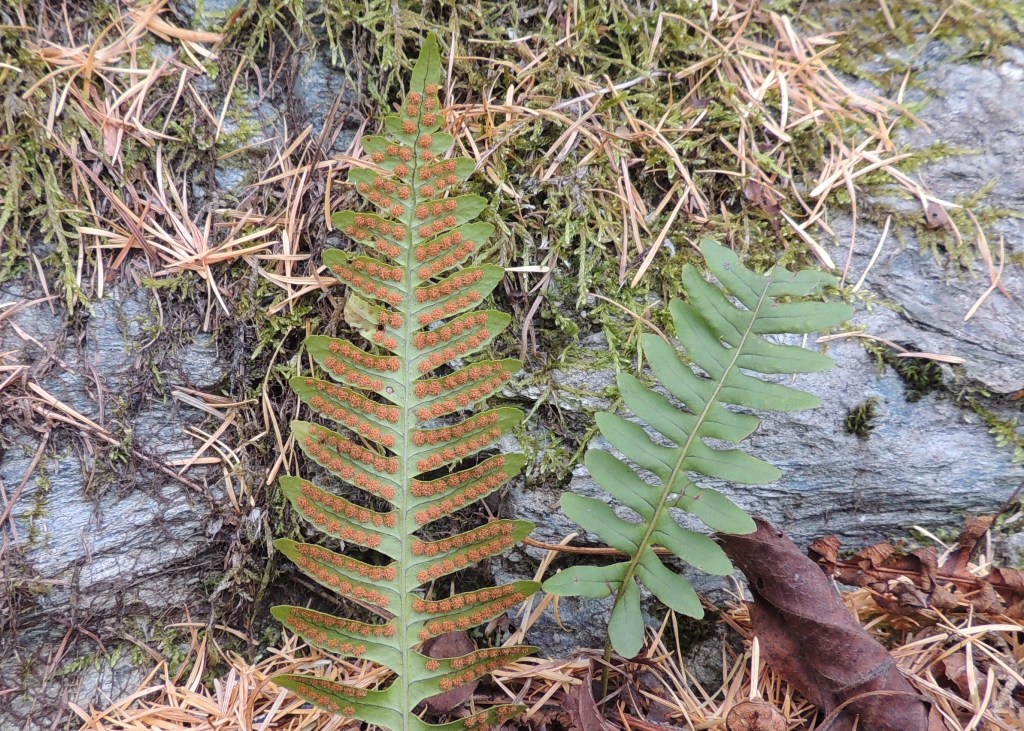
column 725, row 341
column 402, row 438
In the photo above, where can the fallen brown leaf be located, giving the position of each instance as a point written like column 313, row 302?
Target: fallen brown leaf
column 808, row 636
column 761, row 196
column 582, row 707
column 755, row 716
column 915, row 581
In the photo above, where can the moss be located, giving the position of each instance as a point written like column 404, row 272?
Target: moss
column 920, row 376
column 858, row 421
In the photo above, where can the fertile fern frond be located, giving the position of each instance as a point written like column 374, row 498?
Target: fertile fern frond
column 413, row 301
column 725, row 341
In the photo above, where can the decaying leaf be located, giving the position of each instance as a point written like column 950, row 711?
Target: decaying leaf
column 762, row 196
column 808, row 636
column 906, row 583
column 582, row 707
column 755, row 716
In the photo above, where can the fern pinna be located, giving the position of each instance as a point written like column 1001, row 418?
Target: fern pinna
column 401, row 419
column 721, row 329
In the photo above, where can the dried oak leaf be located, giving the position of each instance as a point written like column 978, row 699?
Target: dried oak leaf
column 808, row 636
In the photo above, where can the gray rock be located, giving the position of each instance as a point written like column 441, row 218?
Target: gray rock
column 99, row 535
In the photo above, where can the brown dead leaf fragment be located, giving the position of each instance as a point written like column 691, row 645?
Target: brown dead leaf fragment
column 582, row 707
column 761, row 196
column 755, row 716
column 911, row 582
column 808, row 636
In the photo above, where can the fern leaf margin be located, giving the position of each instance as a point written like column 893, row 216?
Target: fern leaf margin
column 726, row 341
column 403, row 437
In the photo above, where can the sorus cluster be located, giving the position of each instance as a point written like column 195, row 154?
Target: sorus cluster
column 480, row 373
column 360, row 357
column 389, row 319
column 347, row 471
column 403, row 153
column 442, row 626
column 457, row 431
column 367, row 286
column 454, row 543
column 463, row 398
column 485, row 655
column 461, row 560
column 355, row 400
column 437, row 208
column 318, row 636
column 350, row 626
column 345, row 372
column 347, row 563
column 455, row 350
column 341, row 585
column 352, row 420
column 437, row 246
column 463, row 601
column 324, row 701
column 449, row 331
column 379, row 270
column 364, row 223
column 349, row 448
column 437, row 226
column 442, row 174
column 340, row 688
column 462, row 498
column 333, row 526
column 458, row 451
column 385, row 341
column 453, row 306
column 447, row 262
column 343, row 507
column 432, row 665
column 478, row 670
column 457, row 479
column 449, row 286
column 496, row 718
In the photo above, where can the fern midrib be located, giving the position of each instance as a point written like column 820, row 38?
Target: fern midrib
column 645, row 542
column 405, row 676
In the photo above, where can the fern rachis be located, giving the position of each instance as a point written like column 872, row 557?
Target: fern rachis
column 415, row 306
column 725, row 341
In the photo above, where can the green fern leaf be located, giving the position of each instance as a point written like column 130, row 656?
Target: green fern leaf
column 398, row 443
column 724, row 340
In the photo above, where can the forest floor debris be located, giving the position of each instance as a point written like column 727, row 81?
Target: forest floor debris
column 967, row 665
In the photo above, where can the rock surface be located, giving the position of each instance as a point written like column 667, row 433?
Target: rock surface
column 99, row 534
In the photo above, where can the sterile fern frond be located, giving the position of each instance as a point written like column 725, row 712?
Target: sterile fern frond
column 400, row 421
column 722, row 330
